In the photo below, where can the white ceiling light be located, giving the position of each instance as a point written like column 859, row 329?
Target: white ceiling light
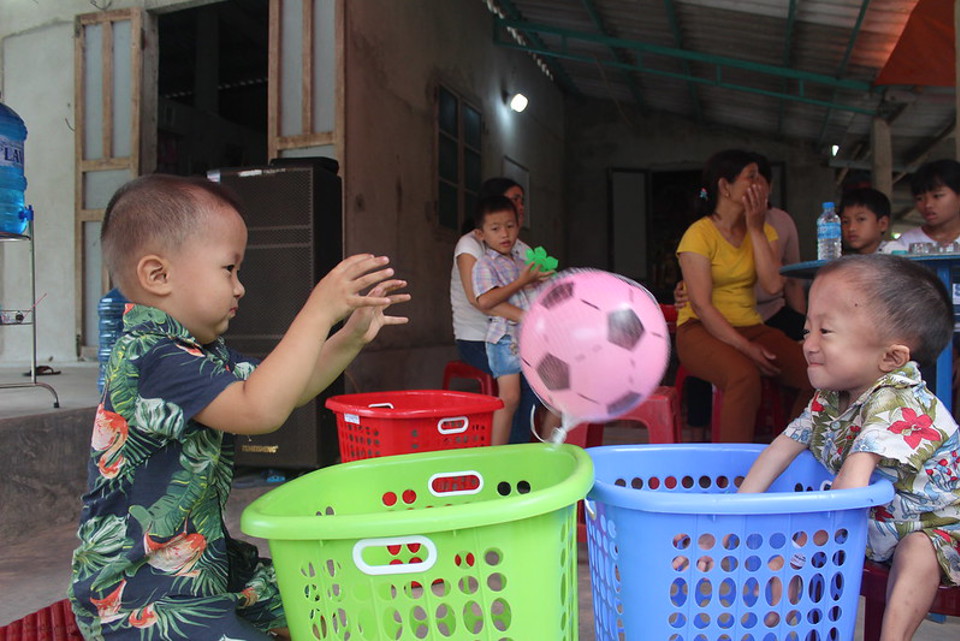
column 518, row 102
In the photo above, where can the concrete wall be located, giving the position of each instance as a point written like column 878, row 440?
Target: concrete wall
column 598, row 137
column 36, row 80
column 44, row 469
column 397, row 53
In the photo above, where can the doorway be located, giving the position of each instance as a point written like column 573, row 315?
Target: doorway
column 649, row 211
column 212, row 87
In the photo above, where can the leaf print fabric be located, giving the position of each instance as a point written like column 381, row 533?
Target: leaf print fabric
column 900, row 420
column 155, row 561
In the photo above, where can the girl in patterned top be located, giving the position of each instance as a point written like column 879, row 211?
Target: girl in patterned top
column 871, row 321
column 155, row 560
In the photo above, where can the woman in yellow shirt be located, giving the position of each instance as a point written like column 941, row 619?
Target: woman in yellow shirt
column 721, row 337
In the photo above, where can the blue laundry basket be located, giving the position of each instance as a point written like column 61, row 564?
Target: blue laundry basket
column 677, row 555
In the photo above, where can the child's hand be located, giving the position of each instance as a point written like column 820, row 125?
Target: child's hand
column 338, row 293
column 532, row 273
column 366, row 321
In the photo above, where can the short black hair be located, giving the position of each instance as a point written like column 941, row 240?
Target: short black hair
column 868, row 197
column 157, row 209
column 491, row 205
column 913, row 304
column 934, row 174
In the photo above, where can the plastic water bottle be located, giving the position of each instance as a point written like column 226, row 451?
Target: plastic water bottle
column 828, row 234
column 110, row 308
column 14, row 215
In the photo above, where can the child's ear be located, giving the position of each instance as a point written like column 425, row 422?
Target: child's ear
column 883, row 224
column 153, row 274
column 896, row 356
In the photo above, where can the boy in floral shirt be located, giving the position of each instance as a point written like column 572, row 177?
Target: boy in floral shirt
column 155, row 560
column 870, row 321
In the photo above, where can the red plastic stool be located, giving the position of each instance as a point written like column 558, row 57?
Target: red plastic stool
column 873, row 588
column 459, row 369
column 586, row 435
column 53, row 623
column 660, row 413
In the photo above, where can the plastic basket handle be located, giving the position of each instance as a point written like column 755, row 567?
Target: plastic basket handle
column 399, row 568
column 590, row 508
column 389, row 406
column 457, row 478
column 453, row 430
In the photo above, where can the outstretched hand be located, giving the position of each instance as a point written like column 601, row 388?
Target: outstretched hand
column 338, row 294
column 366, row 321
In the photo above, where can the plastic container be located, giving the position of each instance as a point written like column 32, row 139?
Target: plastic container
column 475, row 544
column 829, row 244
column 404, row 422
column 14, row 214
column 110, row 310
column 676, row 554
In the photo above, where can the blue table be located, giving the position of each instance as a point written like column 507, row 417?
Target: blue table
column 943, row 265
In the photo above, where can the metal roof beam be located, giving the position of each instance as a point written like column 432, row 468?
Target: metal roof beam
column 919, row 156
column 843, row 65
column 716, row 82
column 627, row 77
column 787, row 57
column 510, row 10
column 678, row 41
column 720, row 62
column 841, row 163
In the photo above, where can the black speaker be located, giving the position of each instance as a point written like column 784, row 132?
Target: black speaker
column 294, row 220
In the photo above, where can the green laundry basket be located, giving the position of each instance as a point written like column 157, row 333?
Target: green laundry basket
column 475, row 544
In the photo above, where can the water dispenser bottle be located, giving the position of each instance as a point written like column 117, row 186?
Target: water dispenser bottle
column 14, row 214
column 111, row 308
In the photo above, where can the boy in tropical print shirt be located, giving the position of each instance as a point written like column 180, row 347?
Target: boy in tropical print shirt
column 155, row 560
column 870, row 321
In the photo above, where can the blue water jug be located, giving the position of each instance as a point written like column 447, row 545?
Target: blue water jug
column 110, row 308
column 14, row 215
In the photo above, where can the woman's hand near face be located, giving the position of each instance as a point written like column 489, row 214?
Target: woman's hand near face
column 755, row 206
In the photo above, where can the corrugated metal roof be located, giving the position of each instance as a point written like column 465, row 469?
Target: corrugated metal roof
column 793, row 69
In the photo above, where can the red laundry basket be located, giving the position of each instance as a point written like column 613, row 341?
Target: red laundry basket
column 404, row 422
column 52, row 623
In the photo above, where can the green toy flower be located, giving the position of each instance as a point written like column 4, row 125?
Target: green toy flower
column 540, row 258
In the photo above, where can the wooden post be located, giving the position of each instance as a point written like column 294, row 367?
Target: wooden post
column 882, row 159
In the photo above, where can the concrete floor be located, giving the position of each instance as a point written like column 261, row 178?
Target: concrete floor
column 34, row 571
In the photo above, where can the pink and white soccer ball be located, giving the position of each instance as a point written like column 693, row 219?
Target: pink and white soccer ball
column 593, row 345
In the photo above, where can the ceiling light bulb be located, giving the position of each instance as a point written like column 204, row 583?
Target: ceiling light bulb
column 834, row 150
column 518, row 102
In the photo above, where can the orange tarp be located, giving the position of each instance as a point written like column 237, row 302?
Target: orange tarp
column 925, row 53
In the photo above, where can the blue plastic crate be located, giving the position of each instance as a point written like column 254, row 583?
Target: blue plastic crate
column 677, row 555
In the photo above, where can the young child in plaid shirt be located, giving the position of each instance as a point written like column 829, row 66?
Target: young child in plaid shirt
column 505, row 286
